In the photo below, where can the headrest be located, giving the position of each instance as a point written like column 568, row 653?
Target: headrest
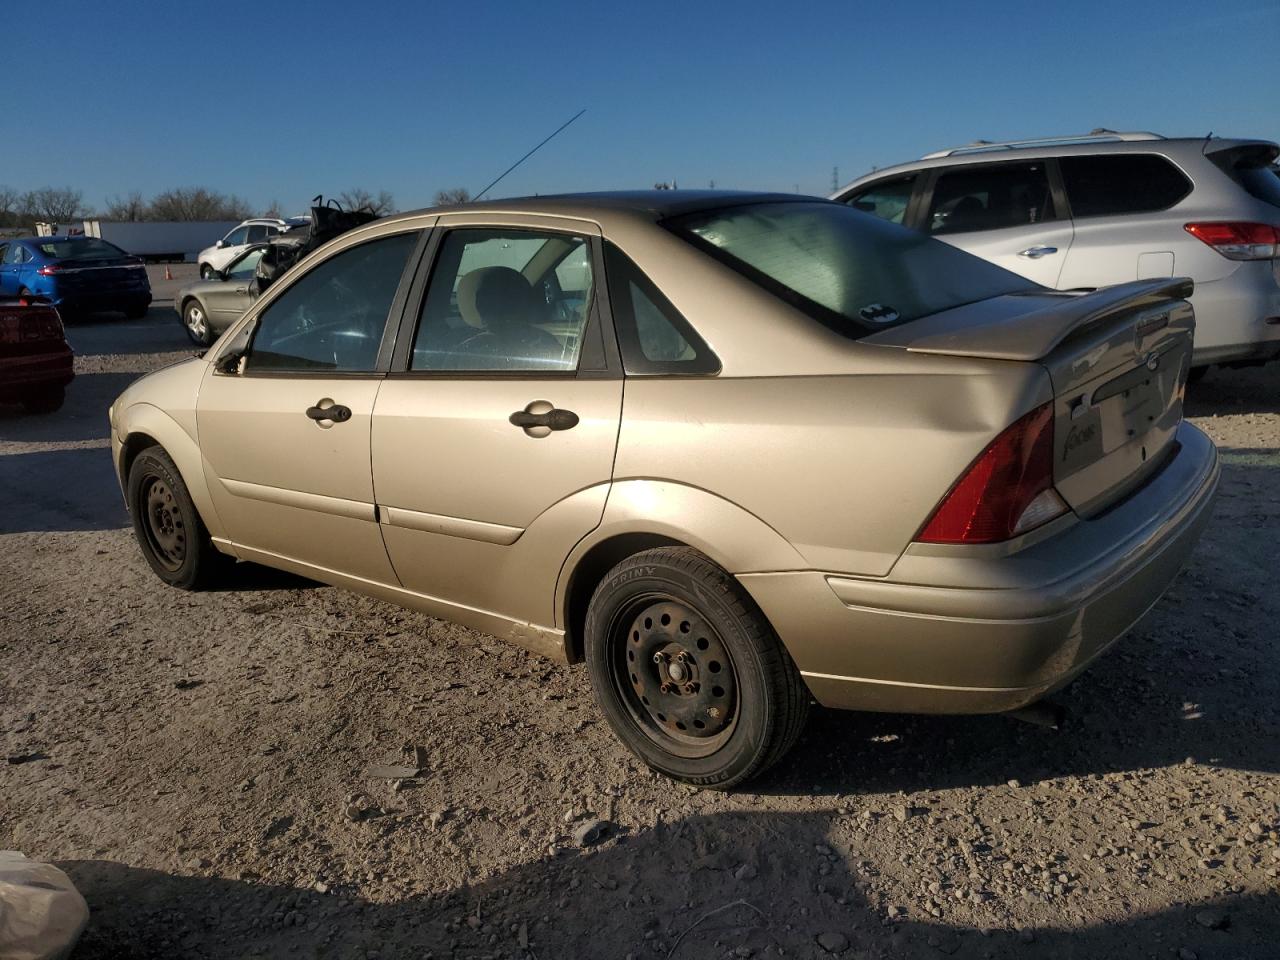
column 496, row 296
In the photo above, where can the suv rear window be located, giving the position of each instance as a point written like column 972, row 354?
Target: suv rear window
column 849, row 270
column 1253, row 168
column 1114, row 184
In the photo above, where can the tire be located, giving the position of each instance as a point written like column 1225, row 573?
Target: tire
column 196, row 322
column 206, row 272
column 688, row 671
column 45, row 400
column 1196, row 374
column 169, row 530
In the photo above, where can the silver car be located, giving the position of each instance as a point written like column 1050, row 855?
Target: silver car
column 207, row 307
column 1106, row 208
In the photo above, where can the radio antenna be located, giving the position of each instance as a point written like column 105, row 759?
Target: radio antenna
column 529, row 154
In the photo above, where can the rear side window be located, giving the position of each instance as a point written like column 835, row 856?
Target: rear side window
column 653, row 336
column 887, row 199
column 1121, row 183
column 991, row 197
column 850, row 271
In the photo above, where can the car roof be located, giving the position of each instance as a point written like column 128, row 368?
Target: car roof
column 646, row 204
column 1090, row 145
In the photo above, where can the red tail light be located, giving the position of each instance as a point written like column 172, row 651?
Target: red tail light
column 1239, row 241
column 48, row 270
column 1007, row 491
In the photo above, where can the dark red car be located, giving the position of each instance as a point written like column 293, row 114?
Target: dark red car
column 35, row 359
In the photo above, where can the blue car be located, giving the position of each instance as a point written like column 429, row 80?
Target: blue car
column 76, row 274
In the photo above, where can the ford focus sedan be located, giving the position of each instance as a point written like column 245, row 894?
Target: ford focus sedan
column 736, row 452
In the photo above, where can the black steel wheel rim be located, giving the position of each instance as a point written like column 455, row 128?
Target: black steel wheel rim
column 163, row 523
column 674, row 674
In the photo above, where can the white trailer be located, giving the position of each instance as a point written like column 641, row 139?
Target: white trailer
column 158, row 240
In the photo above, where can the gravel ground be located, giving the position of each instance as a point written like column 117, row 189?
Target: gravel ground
column 200, row 763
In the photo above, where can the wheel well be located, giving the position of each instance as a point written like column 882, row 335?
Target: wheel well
column 591, row 569
column 134, row 445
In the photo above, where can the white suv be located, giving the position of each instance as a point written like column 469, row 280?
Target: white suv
column 255, row 230
column 1085, row 212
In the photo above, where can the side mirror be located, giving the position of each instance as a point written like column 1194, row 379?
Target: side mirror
column 220, row 244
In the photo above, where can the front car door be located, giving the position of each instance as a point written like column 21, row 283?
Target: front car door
column 1008, row 213
column 232, row 246
column 494, row 434
column 284, row 430
column 226, row 301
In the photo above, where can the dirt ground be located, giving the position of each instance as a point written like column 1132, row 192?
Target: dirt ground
column 198, row 762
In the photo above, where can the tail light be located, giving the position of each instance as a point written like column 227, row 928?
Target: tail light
column 1007, row 491
column 1239, row 241
column 48, row 270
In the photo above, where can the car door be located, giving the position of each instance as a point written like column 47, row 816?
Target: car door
column 8, row 272
column 233, row 245
column 227, row 300
column 1007, row 213
column 284, row 414
column 494, row 434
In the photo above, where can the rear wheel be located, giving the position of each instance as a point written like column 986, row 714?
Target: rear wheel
column 688, row 671
column 46, row 399
column 196, row 323
column 169, row 530
column 137, row 313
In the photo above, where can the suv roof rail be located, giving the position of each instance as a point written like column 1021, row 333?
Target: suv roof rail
column 1098, row 135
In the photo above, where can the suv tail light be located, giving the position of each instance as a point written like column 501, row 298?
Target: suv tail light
column 1007, row 491
column 48, row 270
column 1239, row 241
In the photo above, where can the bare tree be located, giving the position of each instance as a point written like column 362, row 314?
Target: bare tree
column 131, row 208
column 452, row 195
column 274, row 210
column 53, row 204
column 198, row 203
column 358, row 198
column 10, row 206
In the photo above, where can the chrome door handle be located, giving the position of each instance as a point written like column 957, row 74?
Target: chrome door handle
column 539, row 418
column 1035, row 253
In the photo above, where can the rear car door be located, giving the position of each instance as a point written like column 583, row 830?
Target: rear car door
column 8, row 275
column 494, row 434
column 1124, row 227
column 1007, row 213
column 284, row 413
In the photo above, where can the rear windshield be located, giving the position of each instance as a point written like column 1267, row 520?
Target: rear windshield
column 1252, row 168
column 80, row 248
column 849, row 270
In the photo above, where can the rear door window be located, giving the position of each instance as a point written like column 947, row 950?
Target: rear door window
column 991, row 197
column 887, row 199
column 1119, row 183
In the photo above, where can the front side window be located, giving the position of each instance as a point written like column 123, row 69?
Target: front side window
column 333, row 316
column 887, row 199
column 244, row 268
column 505, row 300
column 991, row 197
column 236, row 237
column 1120, row 183
column 852, row 272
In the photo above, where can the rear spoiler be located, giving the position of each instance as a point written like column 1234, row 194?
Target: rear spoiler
column 1011, row 331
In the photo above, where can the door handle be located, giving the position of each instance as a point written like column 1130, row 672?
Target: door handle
column 328, row 410
column 540, row 417
column 1035, row 253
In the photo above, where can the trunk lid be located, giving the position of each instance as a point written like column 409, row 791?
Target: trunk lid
column 102, row 274
column 26, row 328
column 1117, row 359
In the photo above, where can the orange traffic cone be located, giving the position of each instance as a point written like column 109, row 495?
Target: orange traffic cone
column 168, row 274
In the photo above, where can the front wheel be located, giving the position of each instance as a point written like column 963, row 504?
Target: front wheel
column 197, row 324
column 169, row 530
column 206, row 272
column 688, row 671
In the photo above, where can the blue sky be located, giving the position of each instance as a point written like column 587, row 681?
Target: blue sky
column 282, row 100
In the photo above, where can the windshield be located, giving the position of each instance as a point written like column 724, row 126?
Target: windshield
column 80, row 248
column 851, row 271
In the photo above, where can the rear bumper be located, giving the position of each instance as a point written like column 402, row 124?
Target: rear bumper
column 967, row 630
column 21, row 376
column 113, row 300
